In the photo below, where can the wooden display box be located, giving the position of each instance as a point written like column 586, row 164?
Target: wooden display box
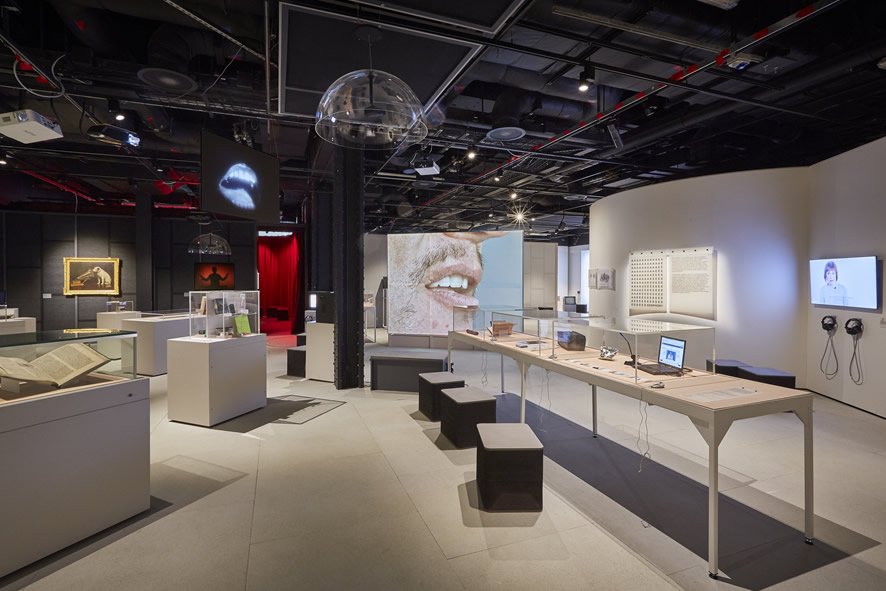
column 501, row 328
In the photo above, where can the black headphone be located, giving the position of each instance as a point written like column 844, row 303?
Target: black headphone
column 829, row 323
column 854, row 327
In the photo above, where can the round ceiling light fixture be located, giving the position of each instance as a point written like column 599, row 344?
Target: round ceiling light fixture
column 168, row 80
column 505, row 134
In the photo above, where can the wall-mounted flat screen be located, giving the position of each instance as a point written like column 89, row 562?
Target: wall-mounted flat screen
column 845, row 283
column 237, row 181
column 213, row 276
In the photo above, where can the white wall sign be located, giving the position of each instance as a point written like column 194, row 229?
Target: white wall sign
column 679, row 281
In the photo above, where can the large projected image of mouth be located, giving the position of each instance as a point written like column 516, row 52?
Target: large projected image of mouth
column 429, row 274
column 238, row 186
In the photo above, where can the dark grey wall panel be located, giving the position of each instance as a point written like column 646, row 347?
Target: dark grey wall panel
column 122, row 229
column 58, row 227
column 54, row 253
column 244, row 267
column 23, row 235
column 125, row 251
column 58, row 313
column 23, row 291
column 162, row 243
column 88, row 307
column 163, row 293
column 92, row 236
column 242, row 234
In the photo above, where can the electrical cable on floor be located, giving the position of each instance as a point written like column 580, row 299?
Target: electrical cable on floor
column 829, row 351
column 856, row 374
column 644, row 423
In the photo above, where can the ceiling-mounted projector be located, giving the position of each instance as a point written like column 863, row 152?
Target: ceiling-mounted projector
column 28, row 127
column 116, row 136
column 423, row 164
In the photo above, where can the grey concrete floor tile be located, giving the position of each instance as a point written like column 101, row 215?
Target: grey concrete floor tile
column 185, row 550
column 383, row 553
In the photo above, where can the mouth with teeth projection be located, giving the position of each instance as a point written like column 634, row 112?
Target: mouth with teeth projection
column 454, row 280
column 238, row 186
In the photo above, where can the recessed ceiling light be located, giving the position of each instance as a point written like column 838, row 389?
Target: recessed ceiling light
column 513, row 195
column 882, row 63
column 471, row 153
column 496, row 178
column 119, row 116
column 2, row 162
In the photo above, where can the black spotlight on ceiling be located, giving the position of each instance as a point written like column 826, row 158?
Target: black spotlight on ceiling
column 562, row 226
column 114, row 109
column 587, row 76
column 615, row 134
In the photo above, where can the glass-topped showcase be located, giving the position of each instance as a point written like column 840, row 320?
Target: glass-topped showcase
column 225, row 313
column 120, row 306
column 51, row 361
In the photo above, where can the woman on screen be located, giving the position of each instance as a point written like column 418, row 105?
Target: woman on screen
column 832, row 292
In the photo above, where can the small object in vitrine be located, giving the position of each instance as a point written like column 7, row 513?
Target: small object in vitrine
column 522, row 344
column 203, row 306
column 608, row 353
column 217, row 306
column 571, row 340
column 241, row 325
column 473, row 332
column 500, row 328
column 231, row 308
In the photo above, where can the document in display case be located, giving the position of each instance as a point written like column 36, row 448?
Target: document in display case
column 224, row 313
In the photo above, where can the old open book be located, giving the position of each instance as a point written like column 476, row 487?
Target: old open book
column 58, row 367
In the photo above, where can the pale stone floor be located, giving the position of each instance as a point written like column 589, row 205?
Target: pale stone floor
column 369, row 495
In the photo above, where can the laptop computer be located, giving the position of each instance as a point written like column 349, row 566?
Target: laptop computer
column 670, row 358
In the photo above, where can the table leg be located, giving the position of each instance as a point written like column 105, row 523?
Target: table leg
column 713, row 508
column 501, row 359
column 449, row 354
column 523, row 367
column 805, row 415
column 594, row 408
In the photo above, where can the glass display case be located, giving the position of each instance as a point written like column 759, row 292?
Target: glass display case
column 49, row 361
column 222, row 314
column 638, row 349
column 120, row 306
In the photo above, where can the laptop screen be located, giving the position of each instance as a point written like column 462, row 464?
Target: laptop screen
column 670, row 352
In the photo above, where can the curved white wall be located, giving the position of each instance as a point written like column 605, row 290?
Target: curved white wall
column 757, row 222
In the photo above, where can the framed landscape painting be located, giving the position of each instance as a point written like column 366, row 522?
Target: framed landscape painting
column 92, row 276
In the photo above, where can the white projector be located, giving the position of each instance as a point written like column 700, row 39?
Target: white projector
column 427, row 168
column 28, row 126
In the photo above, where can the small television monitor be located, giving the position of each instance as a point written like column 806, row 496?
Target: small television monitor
column 238, row 181
column 845, row 282
column 213, row 276
column 671, row 352
column 568, row 300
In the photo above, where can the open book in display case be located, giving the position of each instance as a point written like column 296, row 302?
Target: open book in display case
column 52, row 361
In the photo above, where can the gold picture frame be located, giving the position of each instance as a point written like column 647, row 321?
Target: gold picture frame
column 92, row 276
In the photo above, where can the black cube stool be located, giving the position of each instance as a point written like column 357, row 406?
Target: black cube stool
column 295, row 361
column 429, row 387
column 460, row 411
column 510, row 464
column 727, row 367
column 768, row 375
column 393, row 371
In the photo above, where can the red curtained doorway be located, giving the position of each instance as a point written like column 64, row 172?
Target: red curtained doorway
column 279, row 275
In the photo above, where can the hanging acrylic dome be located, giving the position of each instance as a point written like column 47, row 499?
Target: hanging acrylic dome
column 370, row 110
column 209, row 243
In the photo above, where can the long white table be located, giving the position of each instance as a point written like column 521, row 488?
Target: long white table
column 711, row 401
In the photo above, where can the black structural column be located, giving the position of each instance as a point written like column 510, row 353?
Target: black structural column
column 144, row 250
column 347, row 267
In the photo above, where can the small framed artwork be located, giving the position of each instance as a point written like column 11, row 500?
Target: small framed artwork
column 606, row 278
column 213, row 276
column 92, row 276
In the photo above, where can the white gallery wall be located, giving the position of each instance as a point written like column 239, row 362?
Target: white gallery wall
column 758, row 224
column 847, row 219
column 578, row 273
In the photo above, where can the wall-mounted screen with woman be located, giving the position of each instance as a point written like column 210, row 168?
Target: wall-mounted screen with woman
column 845, row 283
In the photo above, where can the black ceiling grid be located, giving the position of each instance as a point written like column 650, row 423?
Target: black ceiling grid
column 486, row 73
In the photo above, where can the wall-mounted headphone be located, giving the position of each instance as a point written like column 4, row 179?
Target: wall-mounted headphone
column 829, row 323
column 854, row 327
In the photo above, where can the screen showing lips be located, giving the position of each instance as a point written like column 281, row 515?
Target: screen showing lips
column 239, row 181
column 429, row 274
column 238, row 186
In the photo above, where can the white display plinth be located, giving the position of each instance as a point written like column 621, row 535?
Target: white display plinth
column 153, row 332
column 74, row 462
column 114, row 320
column 212, row 380
column 319, row 339
column 18, row 325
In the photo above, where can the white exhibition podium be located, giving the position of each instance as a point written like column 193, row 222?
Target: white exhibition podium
column 211, row 380
column 153, row 332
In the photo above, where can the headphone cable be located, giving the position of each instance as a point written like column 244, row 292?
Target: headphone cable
column 829, row 350
column 857, row 376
